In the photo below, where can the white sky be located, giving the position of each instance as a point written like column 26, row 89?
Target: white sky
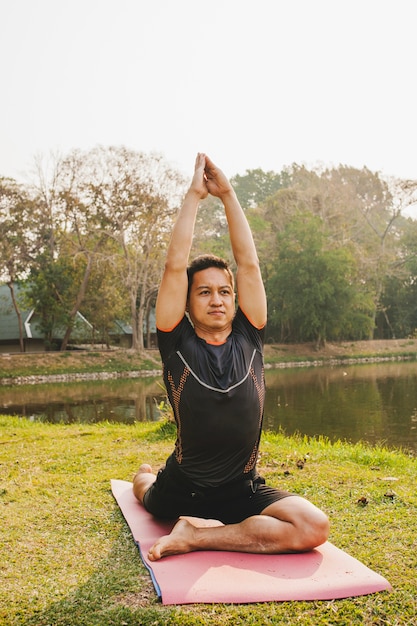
column 254, row 83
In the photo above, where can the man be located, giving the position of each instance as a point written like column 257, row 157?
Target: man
column 213, row 371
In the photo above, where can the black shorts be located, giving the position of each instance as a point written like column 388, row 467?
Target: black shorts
column 172, row 495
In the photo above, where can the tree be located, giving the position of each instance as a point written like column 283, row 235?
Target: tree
column 358, row 211
column 136, row 196
column 312, row 288
column 107, row 203
column 105, row 300
column 17, row 213
column 68, row 239
column 97, row 222
column 397, row 316
column 211, row 233
column 50, row 289
column 255, row 186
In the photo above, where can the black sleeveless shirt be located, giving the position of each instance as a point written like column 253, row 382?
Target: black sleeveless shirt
column 217, row 395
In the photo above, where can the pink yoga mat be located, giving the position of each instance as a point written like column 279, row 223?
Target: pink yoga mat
column 326, row 573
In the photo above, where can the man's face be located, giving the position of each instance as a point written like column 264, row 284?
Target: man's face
column 211, row 303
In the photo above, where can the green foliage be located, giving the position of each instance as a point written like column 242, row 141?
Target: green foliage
column 105, row 299
column 50, row 290
column 103, row 219
column 312, row 285
column 167, row 429
column 356, row 211
column 397, row 315
column 17, row 217
column 211, row 233
column 255, row 186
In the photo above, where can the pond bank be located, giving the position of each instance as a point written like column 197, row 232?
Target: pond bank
column 90, row 376
column 86, row 365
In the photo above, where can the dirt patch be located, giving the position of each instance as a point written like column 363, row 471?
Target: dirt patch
column 77, row 361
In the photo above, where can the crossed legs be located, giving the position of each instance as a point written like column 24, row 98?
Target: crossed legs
column 291, row 524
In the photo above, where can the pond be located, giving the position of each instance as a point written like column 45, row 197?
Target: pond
column 374, row 403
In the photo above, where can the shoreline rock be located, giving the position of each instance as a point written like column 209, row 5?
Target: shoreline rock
column 77, row 377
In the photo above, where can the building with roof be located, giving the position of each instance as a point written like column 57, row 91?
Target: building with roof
column 33, row 337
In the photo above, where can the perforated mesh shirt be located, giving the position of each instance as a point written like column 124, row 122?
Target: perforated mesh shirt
column 217, row 395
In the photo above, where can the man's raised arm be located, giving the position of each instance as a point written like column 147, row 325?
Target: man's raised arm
column 172, row 295
column 250, row 287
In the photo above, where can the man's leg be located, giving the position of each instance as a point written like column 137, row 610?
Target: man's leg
column 291, row 524
column 145, row 477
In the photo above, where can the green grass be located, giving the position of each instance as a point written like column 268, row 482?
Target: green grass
column 67, row 557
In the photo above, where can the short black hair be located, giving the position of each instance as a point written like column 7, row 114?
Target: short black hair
column 203, row 262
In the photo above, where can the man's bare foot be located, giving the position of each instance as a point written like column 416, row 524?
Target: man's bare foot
column 145, row 468
column 201, row 522
column 180, row 541
column 142, row 480
column 182, row 538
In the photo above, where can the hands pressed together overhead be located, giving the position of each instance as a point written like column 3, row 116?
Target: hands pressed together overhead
column 208, row 178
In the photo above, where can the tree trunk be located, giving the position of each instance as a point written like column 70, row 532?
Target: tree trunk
column 134, row 322
column 78, row 301
column 19, row 316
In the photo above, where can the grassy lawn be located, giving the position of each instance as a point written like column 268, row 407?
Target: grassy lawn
column 67, row 556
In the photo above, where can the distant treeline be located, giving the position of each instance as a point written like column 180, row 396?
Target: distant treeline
column 88, row 235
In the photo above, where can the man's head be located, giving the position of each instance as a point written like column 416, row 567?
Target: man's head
column 211, row 297
column 205, row 261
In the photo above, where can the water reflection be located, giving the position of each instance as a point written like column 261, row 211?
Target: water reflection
column 115, row 400
column 375, row 403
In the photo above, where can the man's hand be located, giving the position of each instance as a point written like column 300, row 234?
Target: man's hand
column 217, row 183
column 198, row 183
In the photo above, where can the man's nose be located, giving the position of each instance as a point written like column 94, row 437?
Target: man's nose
column 216, row 298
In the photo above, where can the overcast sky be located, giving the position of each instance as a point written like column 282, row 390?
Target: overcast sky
column 254, row 83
